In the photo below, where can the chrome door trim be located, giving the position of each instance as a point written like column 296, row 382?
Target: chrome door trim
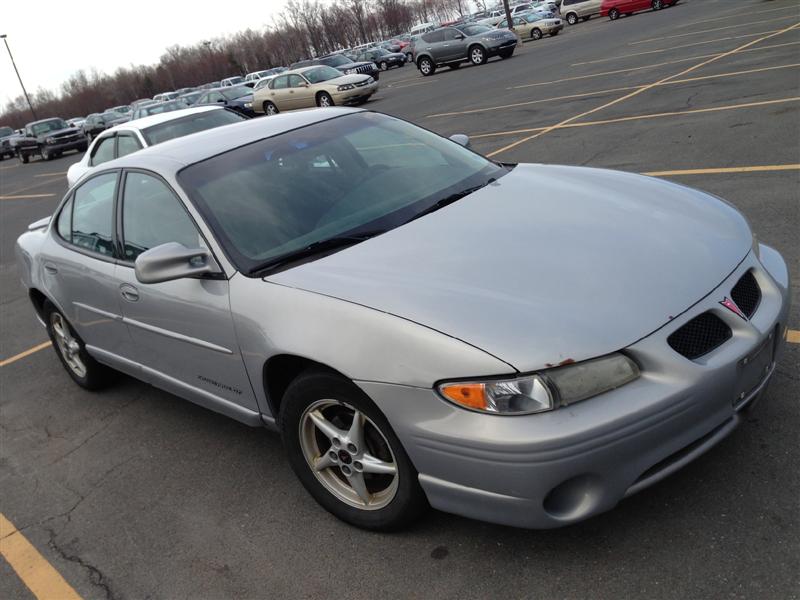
column 98, row 311
column 176, row 336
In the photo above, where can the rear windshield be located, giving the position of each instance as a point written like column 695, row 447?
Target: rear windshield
column 190, row 124
column 236, row 92
column 4, row 131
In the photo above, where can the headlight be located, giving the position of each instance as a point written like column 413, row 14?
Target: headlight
column 349, row 71
column 345, row 87
column 248, row 105
column 50, row 140
column 545, row 390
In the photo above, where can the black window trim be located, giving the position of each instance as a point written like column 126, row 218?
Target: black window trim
column 100, row 140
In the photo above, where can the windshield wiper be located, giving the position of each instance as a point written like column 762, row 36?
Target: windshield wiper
column 449, row 200
column 339, row 241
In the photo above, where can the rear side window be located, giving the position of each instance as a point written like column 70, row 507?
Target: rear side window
column 434, row 37
column 152, row 215
column 280, row 83
column 93, row 214
column 103, row 152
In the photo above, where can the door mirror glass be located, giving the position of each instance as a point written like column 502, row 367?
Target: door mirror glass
column 172, row 261
column 460, row 138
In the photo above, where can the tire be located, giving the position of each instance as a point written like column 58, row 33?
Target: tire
column 389, row 496
column 45, row 153
column 658, row 5
column 71, row 351
column 572, row 18
column 506, row 54
column 383, row 66
column 426, row 66
column 324, row 100
column 536, row 33
column 270, row 109
column 613, row 14
column 477, row 55
column 409, row 57
column 23, row 158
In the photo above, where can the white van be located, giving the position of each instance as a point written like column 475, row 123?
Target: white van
column 423, row 28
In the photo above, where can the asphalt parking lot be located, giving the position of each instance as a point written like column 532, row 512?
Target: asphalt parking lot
column 134, row 493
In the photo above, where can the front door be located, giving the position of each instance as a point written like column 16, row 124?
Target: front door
column 300, row 93
column 182, row 330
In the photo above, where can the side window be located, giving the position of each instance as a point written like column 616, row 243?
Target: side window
column 103, row 151
column 152, row 215
column 451, row 34
column 93, row 214
column 126, row 144
column 64, row 225
column 296, row 81
column 215, row 97
column 280, row 83
column 502, row 24
column 434, row 37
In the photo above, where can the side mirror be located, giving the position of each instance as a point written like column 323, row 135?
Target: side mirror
column 460, row 138
column 459, row 36
column 171, row 261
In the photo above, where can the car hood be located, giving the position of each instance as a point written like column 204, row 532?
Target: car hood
column 547, row 264
column 352, row 78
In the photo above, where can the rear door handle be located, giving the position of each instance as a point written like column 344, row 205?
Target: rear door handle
column 130, row 293
column 50, row 268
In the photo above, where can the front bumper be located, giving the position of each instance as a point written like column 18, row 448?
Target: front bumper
column 79, row 143
column 555, row 468
column 356, row 95
column 504, row 46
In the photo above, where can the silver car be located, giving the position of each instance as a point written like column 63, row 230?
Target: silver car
column 520, row 344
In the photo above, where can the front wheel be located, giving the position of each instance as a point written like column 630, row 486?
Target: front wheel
column 658, row 5
column 46, row 153
column 426, row 66
column 270, row 109
column 71, row 351
column 346, row 454
column 477, row 56
column 536, row 33
column 23, row 158
column 506, row 54
column 572, row 18
column 324, row 100
column 613, row 14
column 383, row 66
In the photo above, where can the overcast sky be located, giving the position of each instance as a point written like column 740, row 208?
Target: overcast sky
column 52, row 39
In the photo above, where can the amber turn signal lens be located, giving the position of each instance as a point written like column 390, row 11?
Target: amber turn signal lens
column 471, row 395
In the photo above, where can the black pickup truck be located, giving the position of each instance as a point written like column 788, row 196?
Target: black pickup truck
column 50, row 138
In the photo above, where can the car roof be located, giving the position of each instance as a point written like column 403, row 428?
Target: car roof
column 150, row 120
column 171, row 156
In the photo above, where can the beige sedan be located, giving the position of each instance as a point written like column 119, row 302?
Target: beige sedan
column 313, row 86
column 533, row 26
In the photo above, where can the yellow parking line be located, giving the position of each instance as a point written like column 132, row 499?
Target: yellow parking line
column 36, row 573
column 27, row 352
column 570, row 125
column 721, row 170
column 677, row 35
column 737, row 15
column 793, row 336
column 26, row 196
column 612, row 90
column 669, row 62
column 639, row 91
column 51, row 174
column 661, row 50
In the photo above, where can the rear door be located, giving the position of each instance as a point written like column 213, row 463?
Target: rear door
column 182, row 330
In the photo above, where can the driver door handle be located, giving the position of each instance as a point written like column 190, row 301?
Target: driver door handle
column 130, row 293
column 50, row 268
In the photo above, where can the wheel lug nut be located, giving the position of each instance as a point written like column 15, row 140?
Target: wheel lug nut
column 351, row 448
column 336, row 443
column 346, row 470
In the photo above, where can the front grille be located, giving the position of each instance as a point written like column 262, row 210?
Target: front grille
column 746, row 294
column 699, row 336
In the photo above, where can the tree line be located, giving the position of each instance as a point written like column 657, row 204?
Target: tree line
column 303, row 29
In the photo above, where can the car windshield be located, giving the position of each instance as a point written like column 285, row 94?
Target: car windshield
column 49, row 125
column 320, row 74
column 162, row 107
column 236, row 92
column 336, row 61
column 533, row 17
column 193, row 123
column 341, row 177
column 475, row 29
column 6, row 131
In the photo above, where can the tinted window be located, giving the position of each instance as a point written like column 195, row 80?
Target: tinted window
column 64, row 225
column 127, row 144
column 452, row 34
column 152, row 215
column 190, row 124
column 434, row 36
column 103, row 151
column 92, row 215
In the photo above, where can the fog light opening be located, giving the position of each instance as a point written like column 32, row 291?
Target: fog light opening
column 574, row 498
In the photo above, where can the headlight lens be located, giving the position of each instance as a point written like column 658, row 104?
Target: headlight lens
column 349, row 71
column 345, row 87
column 545, row 390
column 50, row 140
column 248, row 105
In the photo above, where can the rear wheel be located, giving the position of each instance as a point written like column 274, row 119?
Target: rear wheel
column 71, row 351
column 613, row 14
column 536, row 33
column 506, row 54
column 426, row 66
column 572, row 18
column 383, row 66
column 346, row 455
column 270, row 109
column 477, row 55
column 658, row 5
column 23, row 158
column 324, row 100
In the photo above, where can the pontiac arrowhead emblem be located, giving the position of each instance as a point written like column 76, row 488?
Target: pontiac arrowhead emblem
column 731, row 306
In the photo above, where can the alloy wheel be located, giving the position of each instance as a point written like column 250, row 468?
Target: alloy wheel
column 572, row 18
column 68, row 346
column 476, row 56
column 348, row 454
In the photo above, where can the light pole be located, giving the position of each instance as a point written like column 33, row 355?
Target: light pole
column 24, row 91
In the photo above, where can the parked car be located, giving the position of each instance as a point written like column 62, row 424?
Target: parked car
column 230, row 81
column 164, row 96
column 190, row 97
column 122, row 109
column 573, row 10
column 112, row 118
column 383, row 58
column 136, row 103
column 613, row 9
column 378, row 307
column 452, row 46
column 157, row 108
column 49, row 138
column 149, row 131
column 422, row 28
column 344, row 64
column 534, row 25
column 519, row 9
column 492, row 18
column 238, row 98
column 307, row 87
column 6, row 151
column 256, row 75
column 77, row 122
column 391, row 45
column 408, row 50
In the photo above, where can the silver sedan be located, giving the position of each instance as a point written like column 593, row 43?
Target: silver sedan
column 523, row 344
